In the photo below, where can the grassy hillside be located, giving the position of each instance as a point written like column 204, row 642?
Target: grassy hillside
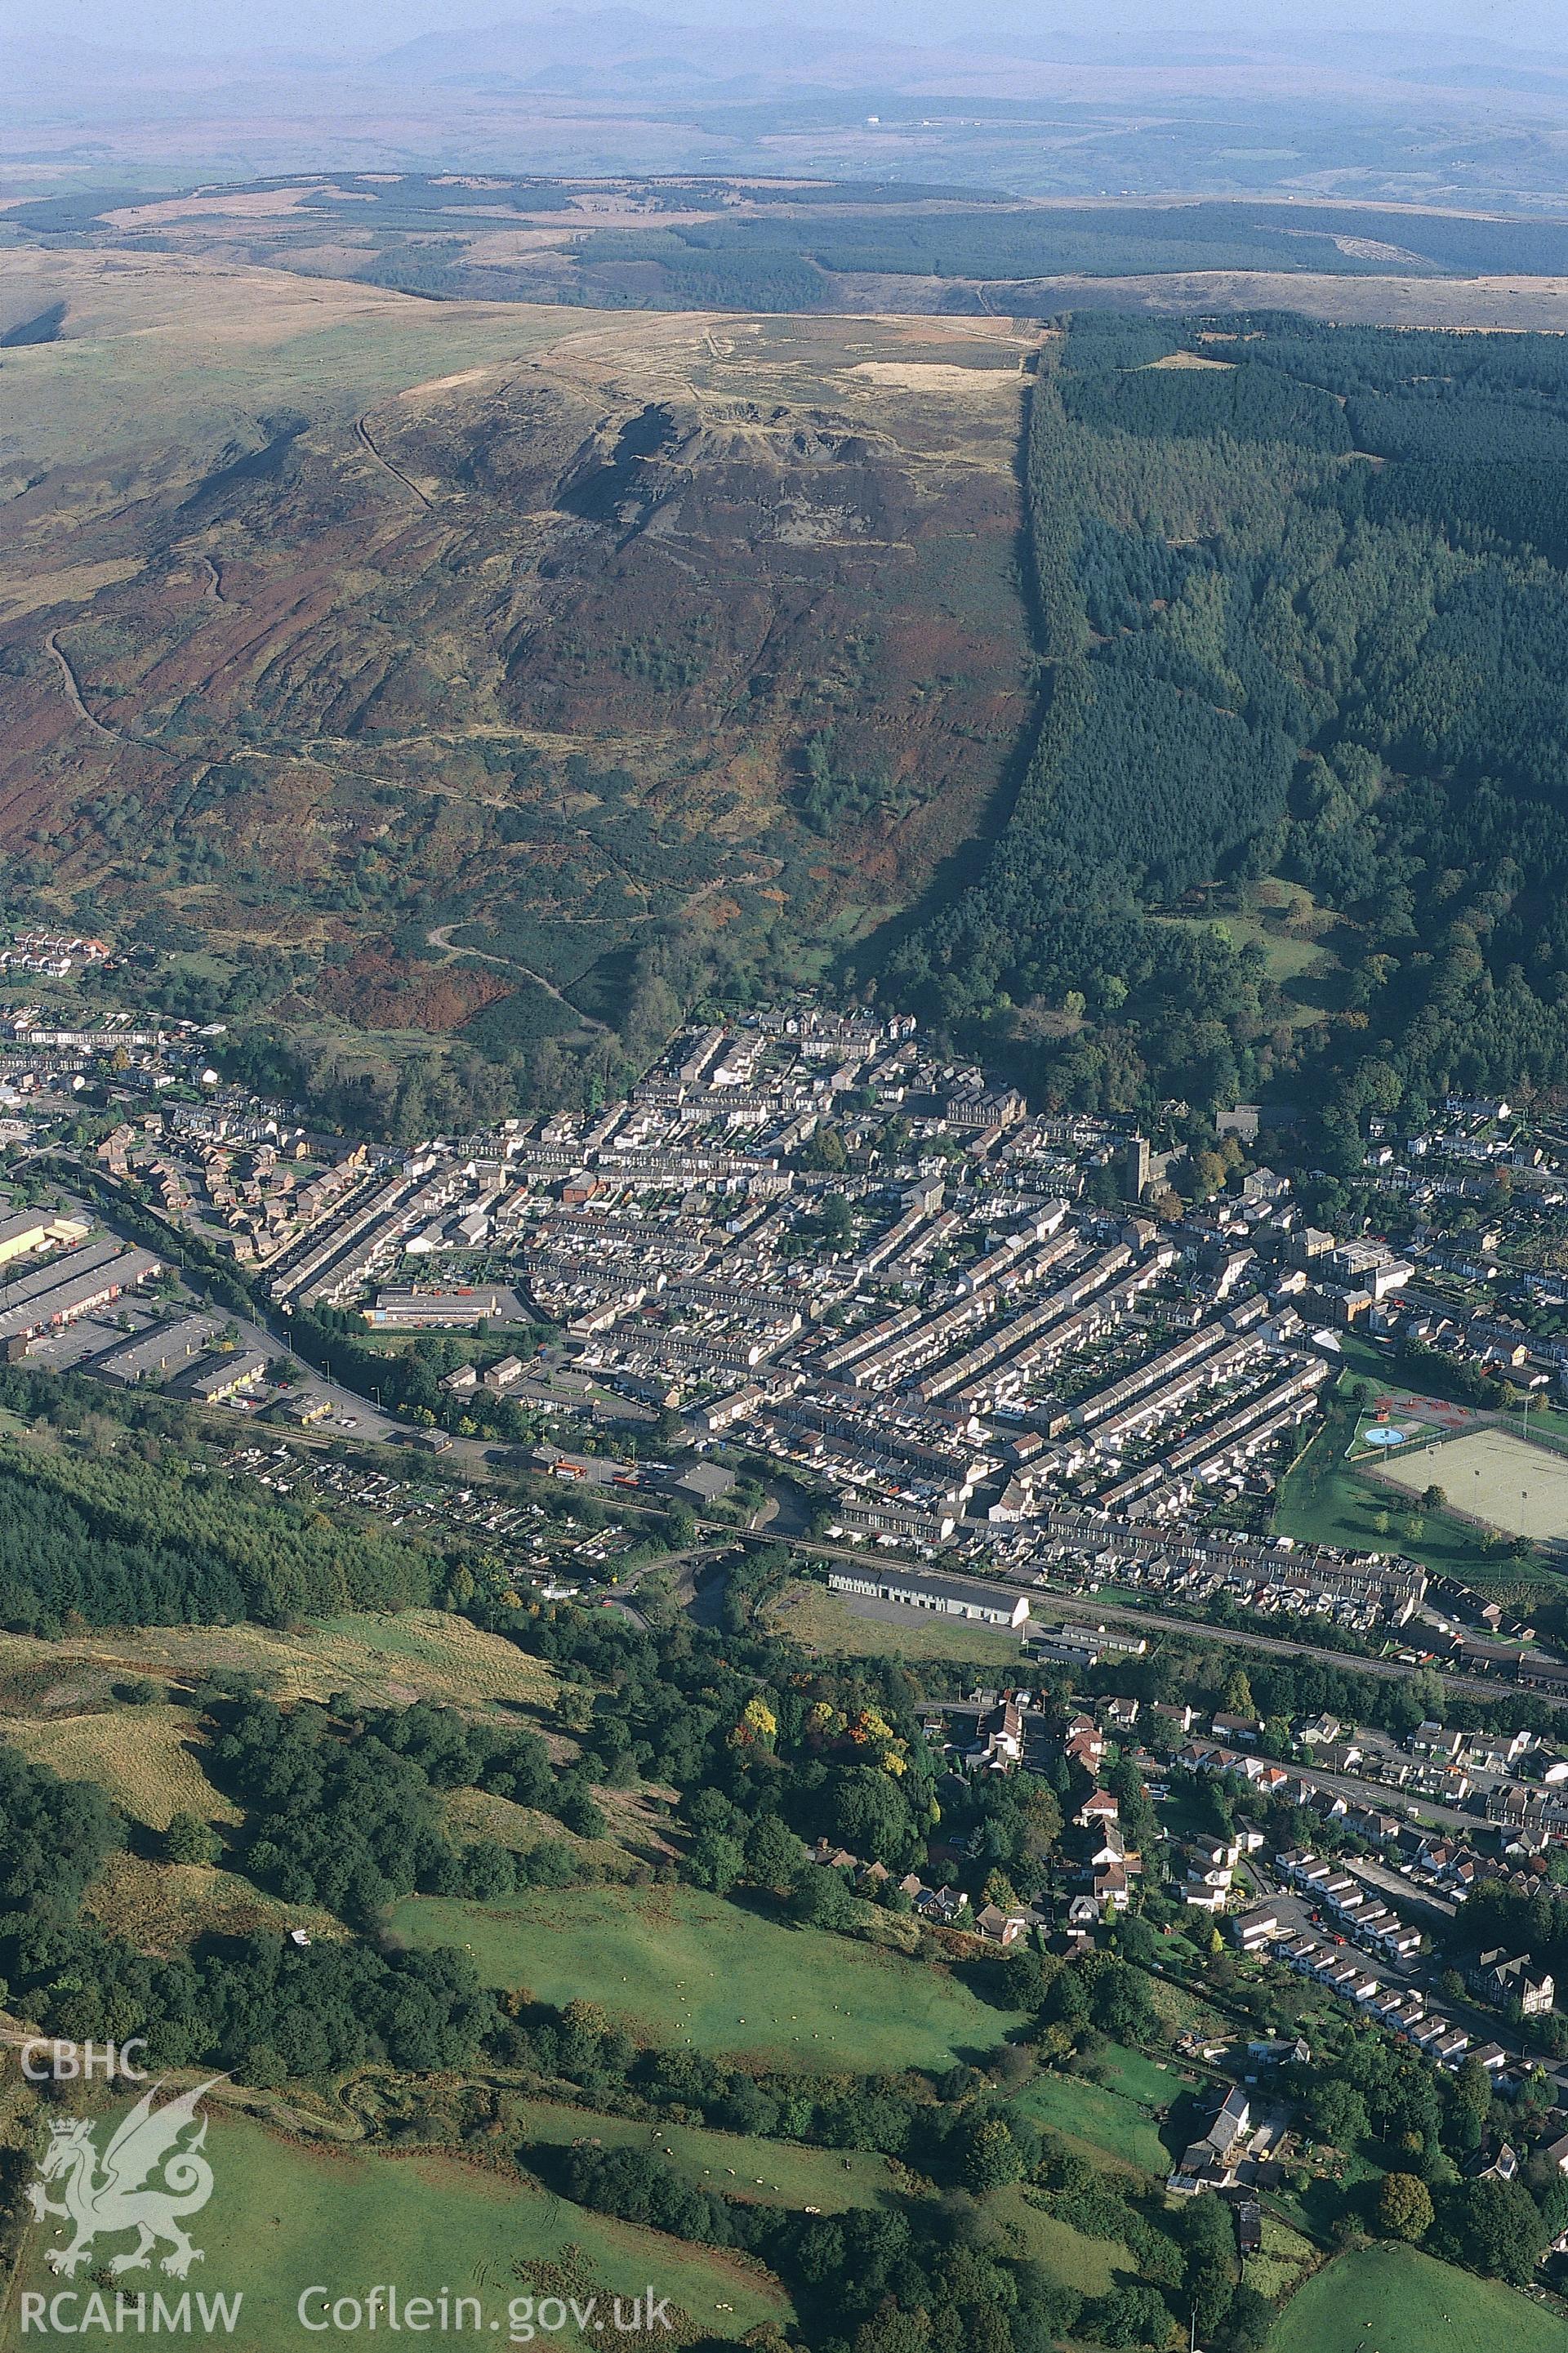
column 150, row 350
column 167, row 1907
column 1118, row 2121
column 147, row 1759
column 1092, row 2266
column 60, row 1706
column 419, row 1654
column 1402, row 2302
column 283, row 2215
column 775, row 2172
column 683, row 1968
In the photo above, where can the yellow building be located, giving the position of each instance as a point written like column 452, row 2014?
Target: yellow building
column 33, row 1230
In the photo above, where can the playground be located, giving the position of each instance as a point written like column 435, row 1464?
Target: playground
column 1396, row 1424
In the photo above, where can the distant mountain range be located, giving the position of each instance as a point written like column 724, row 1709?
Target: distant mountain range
column 915, row 51
column 1164, row 97
column 578, row 50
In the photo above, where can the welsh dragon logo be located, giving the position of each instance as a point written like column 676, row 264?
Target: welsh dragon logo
column 124, row 2190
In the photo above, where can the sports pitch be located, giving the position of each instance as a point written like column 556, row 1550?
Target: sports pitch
column 1495, row 1477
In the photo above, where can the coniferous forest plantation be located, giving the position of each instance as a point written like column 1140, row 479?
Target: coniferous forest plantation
column 1302, row 589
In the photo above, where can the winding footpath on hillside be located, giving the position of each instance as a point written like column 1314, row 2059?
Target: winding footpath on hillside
column 73, row 693
column 362, row 429
column 439, row 936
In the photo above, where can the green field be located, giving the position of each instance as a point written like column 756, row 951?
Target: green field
column 1291, row 954
column 284, row 2217
column 827, row 1622
column 1301, row 956
column 1090, row 2265
column 1283, row 2261
column 679, row 1966
column 1117, row 2123
column 1133, row 2077
column 781, row 2172
column 1393, row 2300
column 1324, row 1500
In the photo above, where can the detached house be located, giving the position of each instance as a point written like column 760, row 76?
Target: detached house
column 1502, row 1979
column 1111, row 1888
column 1210, row 2163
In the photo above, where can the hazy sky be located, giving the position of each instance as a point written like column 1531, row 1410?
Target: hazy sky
column 365, row 26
